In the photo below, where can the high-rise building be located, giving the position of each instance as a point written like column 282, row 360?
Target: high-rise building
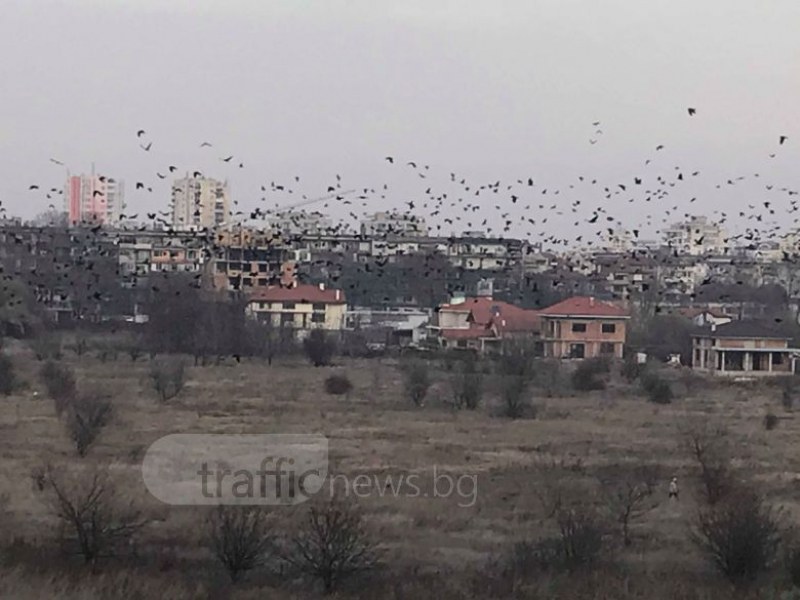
column 200, row 202
column 94, row 199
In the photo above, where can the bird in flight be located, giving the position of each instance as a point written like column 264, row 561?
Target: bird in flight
column 227, row 159
column 782, row 139
column 140, row 133
column 692, row 111
column 205, row 145
column 390, row 159
column 147, row 147
column 58, row 162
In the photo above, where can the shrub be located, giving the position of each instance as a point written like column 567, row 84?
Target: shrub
column 708, row 447
column 657, row 389
column 788, row 391
column 631, row 369
column 240, row 538
column 740, row 536
column 86, row 417
column 60, row 384
column 47, row 347
column 551, row 378
column 168, row 378
column 95, row 525
column 467, row 385
column 417, row 381
column 319, row 348
column 586, row 376
column 80, row 345
column 8, row 380
column 792, row 563
column 770, row 421
column 628, row 496
column 333, row 545
column 338, row 385
column 580, row 537
column 514, row 395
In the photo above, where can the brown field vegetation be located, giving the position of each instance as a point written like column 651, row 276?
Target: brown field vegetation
column 564, row 457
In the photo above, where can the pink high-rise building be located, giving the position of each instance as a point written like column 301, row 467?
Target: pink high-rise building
column 93, row 199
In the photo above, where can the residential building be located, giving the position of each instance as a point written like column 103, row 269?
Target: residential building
column 743, row 348
column 394, row 223
column 200, row 202
column 289, row 223
column 93, row 199
column 618, row 240
column 584, row 327
column 482, row 323
column 404, row 325
column 300, row 308
column 246, row 257
column 697, row 237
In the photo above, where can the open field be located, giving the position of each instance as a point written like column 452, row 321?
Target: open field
column 432, row 546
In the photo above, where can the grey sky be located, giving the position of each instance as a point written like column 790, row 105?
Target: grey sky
column 490, row 90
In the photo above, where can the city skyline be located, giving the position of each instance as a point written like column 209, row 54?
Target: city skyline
column 507, row 112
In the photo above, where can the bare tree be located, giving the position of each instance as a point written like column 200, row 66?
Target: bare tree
column 739, row 535
column 240, row 538
column 708, row 445
column 86, row 416
column 319, row 347
column 417, row 380
column 333, row 545
column 168, row 378
column 95, row 524
column 628, row 495
column 60, row 383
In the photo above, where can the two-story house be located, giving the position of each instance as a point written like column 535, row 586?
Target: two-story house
column 751, row 348
column 299, row 307
column 482, row 323
column 584, row 327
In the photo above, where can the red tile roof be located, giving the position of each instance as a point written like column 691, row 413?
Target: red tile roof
column 584, row 306
column 485, row 312
column 299, row 293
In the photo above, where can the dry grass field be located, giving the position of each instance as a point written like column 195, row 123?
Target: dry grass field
column 432, row 547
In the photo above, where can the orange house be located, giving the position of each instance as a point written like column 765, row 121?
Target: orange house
column 584, row 327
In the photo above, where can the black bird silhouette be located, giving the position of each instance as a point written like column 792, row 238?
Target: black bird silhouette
column 692, row 111
column 147, row 147
column 205, row 145
column 58, row 162
column 227, row 159
column 172, row 168
column 782, row 139
column 33, row 187
column 390, row 159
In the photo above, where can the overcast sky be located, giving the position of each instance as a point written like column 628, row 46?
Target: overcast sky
column 494, row 90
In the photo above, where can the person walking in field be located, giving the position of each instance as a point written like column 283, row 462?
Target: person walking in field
column 673, row 488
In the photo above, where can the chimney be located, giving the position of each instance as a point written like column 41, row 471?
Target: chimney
column 322, row 286
column 591, row 300
column 713, row 326
column 338, row 294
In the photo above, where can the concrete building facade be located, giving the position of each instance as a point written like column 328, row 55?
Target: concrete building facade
column 200, row 202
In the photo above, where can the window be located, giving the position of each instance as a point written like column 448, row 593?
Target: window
column 577, row 351
column 609, row 328
column 318, row 306
column 317, row 317
column 289, row 305
column 578, row 327
column 777, row 358
column 461, row 343
column 287, row 318
column 606, row 348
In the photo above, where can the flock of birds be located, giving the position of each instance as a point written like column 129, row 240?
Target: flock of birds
column 522, row 207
